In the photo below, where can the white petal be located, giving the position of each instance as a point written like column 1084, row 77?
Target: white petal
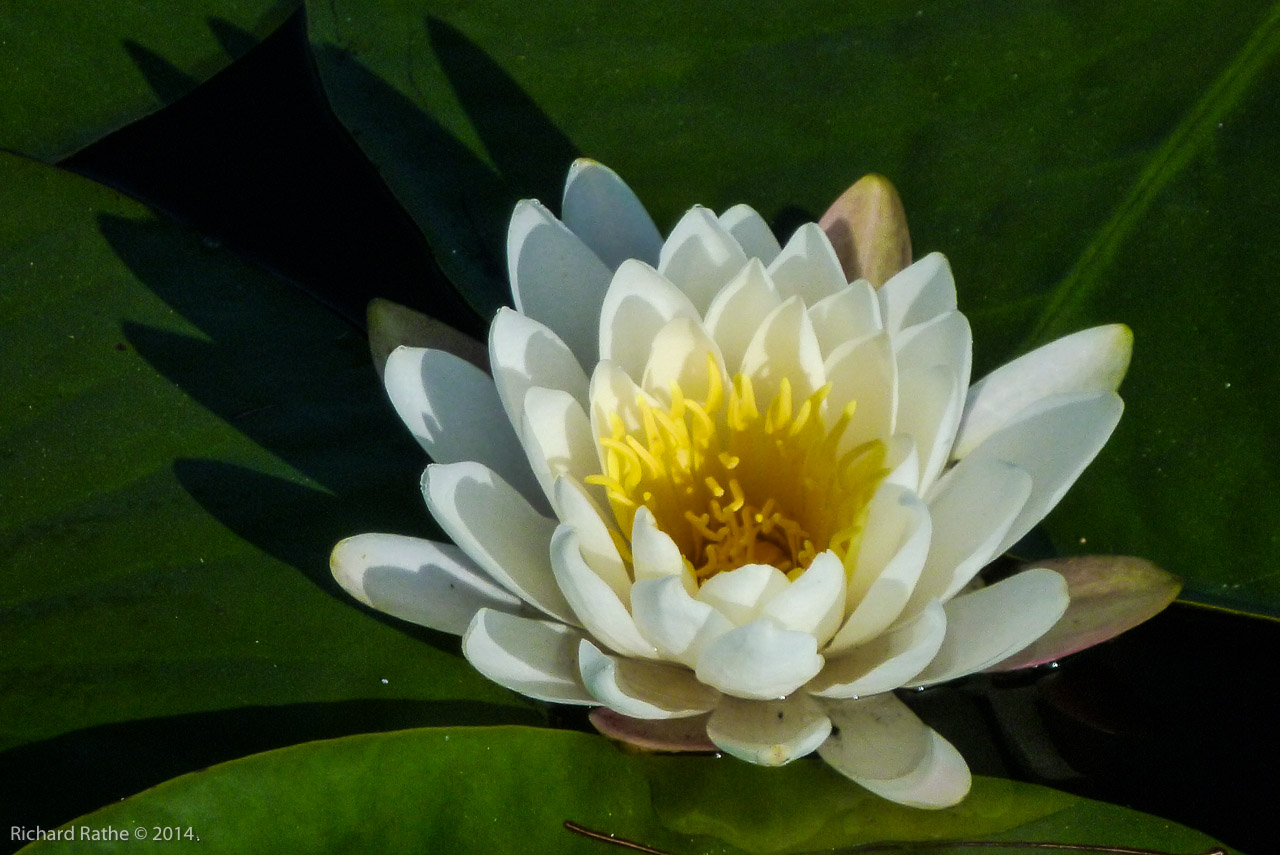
column 524, row 353
column 498, row 530
column 533, row 657
column 428, row 583
column 850, row 314
column 673, row 621
column 453, row 410
column 613, row 392
column 923, row 291
column 945, row 340
column 808, row 266
column 751, row 232
column 555, row 278
column 639, row 302
column 785, row 346
column 993, row 623
column 813, row 602
column 654, row 555
column 557, row 438
column 740, row 593
column 929, row 404
column 769, row 733
column 579, row 512
column 866, row 373
column 739, row 309
column 880, row 744
column 902, row 459
column 887, row 661
column 759, row 661
column 1053, row 440
column 679, row 355
column 700, row 256
column 644, row 690
column 1088, row 362
column 601, row 612
column 971, row 508
column 894, row 545
column 604, row 212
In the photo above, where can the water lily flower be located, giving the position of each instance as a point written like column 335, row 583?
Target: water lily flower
column 711, row 481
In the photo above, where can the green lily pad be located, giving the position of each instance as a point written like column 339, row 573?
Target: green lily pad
column 184, row 439
column 1079, row 164
column 512, row 789
column 74, row 72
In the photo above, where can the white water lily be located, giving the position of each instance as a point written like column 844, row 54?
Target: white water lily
column 710, row 477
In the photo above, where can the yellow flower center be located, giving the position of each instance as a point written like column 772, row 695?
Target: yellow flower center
column 734, row 486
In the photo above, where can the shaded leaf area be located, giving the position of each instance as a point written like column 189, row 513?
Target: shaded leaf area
column 185, row 440
column 1068, row 159
column 255, row 160
column 75, row 72
column 510, row 789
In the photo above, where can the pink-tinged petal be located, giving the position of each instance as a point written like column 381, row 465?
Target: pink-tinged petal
column 849, row 315
column 739, row 310
column 867, row 226
column 672, row 734
column 740, row 593
column 605, row 213
column 759, row 661
column 769, row 733
column 700, row 256
column 524, row 353
column 785, row 347
column 1053, row 441
column 392, row 325
column 751, row 232
column 880, row 744
column 601, row 611
column 452, row 409
column 640, row 301
column 646, row 690
column 1110, row 594
column 993, row 623
column 679, row 626
column 498, row 530
column 1088, row 362
column 807, row 266
column 887, row 661
column 533, row 657
column 556, row 279
column 428, row 583
column 918, row 294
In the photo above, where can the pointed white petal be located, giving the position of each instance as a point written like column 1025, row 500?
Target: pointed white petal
column 902, row 459
column 613, row 392
column 644, row 690
column 654, row 554
column 995, row 622
column 849, row 315
column 673, row 621
column 428, row 583
column 1088, row 362
column 887, row 661
column 739, row 309
column 533, row 657
column 579, row 512
column 759, row 661
column 740, row 593
column 807, row 266
column 1053, row 440
column 785, row 346
column 880, row 744
column 814, row 602
column 894, row 545
column 601, row 612
column 865, row 373
column 453, row 410
column 524, row 353
column 923, row 291
column 972, row 508
column 498, row 530
column 945, row 340
column 751, row 232
column 769, row 733
column 557, row 438
column 604, row 212
column 639, row 302
column 679, row 354
column 555, row 278
column 700, row 256
column 929, row 404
